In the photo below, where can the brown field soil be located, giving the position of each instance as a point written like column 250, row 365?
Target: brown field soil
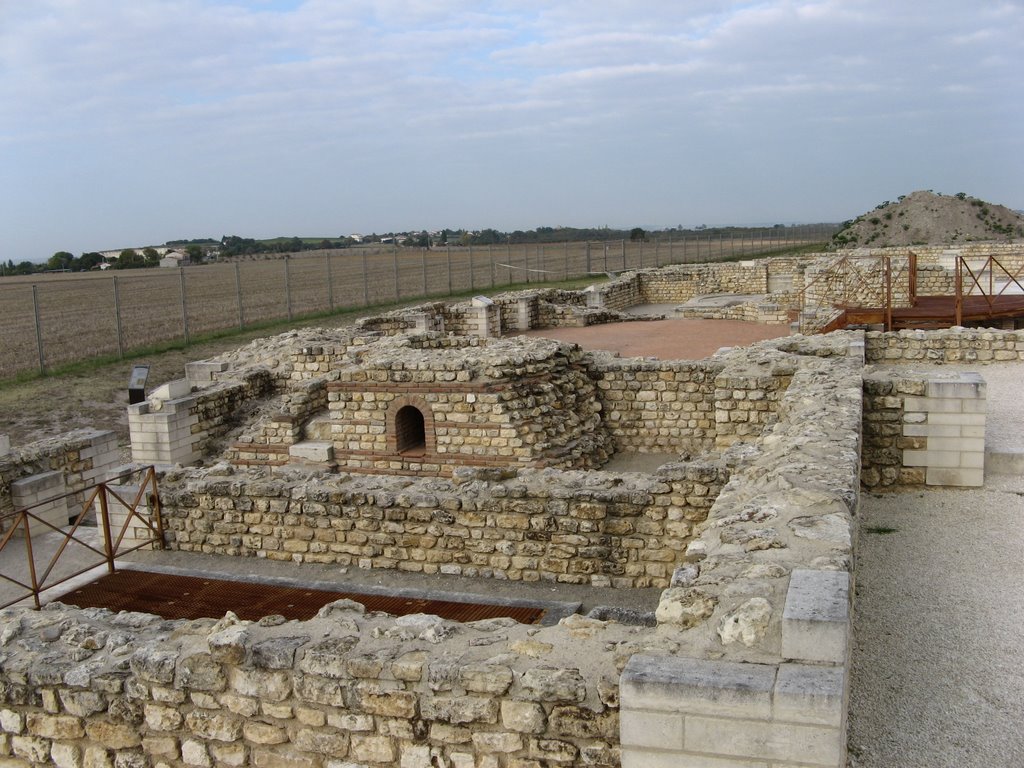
column 82, row 316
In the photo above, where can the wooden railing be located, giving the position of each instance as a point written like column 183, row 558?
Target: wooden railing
column 140, row 512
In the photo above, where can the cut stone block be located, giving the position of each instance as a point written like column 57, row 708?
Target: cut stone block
column 202, row 371
column 172, row 390
column 810, row 694
column 816, row 619
column 312, row 451
column 696, row 685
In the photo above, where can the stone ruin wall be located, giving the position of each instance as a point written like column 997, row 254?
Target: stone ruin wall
column 63, row 465
column 575, row 528
column 350, row 688
column 899, row 425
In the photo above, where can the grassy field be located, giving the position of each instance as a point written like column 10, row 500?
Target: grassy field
column 50, row 321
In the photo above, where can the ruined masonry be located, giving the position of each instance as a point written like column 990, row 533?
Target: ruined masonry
column 429, row 440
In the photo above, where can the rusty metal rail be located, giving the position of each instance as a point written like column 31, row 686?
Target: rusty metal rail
column 977, row 275
column 141, row 512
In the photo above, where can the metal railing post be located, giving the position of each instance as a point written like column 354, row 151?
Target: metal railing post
column 31, row 560
column 108, row 545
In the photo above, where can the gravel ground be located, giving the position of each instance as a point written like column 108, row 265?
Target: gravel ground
column 939, row 629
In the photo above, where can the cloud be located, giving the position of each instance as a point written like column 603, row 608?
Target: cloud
column 226, row 98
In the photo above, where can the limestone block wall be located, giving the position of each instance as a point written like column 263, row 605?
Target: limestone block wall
column 575, row 528
column 764, row 676
column 526, row 404
column 179, row 430
column 657, row 406
column 935, row 280
column 924, row 428
column 682, row 282
column 952, row 345
column 745, row 666
column 82, row 458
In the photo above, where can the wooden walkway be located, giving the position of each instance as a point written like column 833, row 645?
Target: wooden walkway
column 930, row 312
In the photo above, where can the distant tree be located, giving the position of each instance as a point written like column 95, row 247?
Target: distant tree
column 129, row 259
column 637, row 233
column 150, row 257
column 60, row 260
column 24, row 268
column 89, row 260
column 194, row 252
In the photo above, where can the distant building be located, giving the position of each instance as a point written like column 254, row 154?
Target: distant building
column 175, row 259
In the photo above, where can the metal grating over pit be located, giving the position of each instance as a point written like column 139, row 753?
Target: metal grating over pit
column 193, row 597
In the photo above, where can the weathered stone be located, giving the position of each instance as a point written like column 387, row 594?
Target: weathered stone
column 154, row 665
column 555, row 685
column 229, row 645
column 112, row 735
column 66, row 755
column 464, row 709
column 264, row 733
column 327, row 658
column 162, row 718
column 583, row 723
column 747, row 623
column 322, row 741
column 523, row 716
column 270, row 686
column 685, row 606
column 201, row 673
column 278, row 652
column 212, row 725
column 371, row 749
column 64, row 727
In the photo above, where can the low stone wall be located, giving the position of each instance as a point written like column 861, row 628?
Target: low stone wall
column 82, row 457
column 953, row 345
column 577, row 528
column 746, row 663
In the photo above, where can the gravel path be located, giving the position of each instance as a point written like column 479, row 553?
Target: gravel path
column 938, row 678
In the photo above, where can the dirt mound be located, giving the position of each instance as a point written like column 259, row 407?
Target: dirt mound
column 925, row 218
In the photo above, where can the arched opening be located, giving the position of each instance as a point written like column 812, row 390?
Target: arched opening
column 410, row 434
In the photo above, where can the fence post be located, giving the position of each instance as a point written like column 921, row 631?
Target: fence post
column 587, row 254
column 366, row 283
column 448, row 257
column 39, row 330
column 423, row 265
column 490, row 257
column 238, row 294
column 184, row 304
column 288, row 284
column 117, row 319
column 565, row 260
column 330, row 284
column 508, row 260
column 526, row 262
column 394, row 259
column 108, row 544
column 623, row 254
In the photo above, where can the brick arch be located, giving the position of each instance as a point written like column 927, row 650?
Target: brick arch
column 395, row 421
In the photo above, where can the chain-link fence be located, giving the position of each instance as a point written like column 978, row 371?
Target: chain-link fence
column 52, row 320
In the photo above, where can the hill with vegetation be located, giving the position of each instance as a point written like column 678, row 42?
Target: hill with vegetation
column 925, row 217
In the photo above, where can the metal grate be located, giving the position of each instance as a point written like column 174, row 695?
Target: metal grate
column 192, row 597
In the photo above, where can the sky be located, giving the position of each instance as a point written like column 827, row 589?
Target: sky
column 132, row 122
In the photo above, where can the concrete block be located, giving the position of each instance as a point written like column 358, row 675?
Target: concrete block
column 969, row 419
column 172, row 390
column 639, row 728
column 312, row 451
column 817, row 745
column 931, row 458
column 40, row 486
column 955, row 476
column 956, row 444
column 695, row 685
column 965, row 386
column 816, row 619
column 202, row 371
column 810, row 694
column 972, row 460
column 635, row 758
column 933, row 430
